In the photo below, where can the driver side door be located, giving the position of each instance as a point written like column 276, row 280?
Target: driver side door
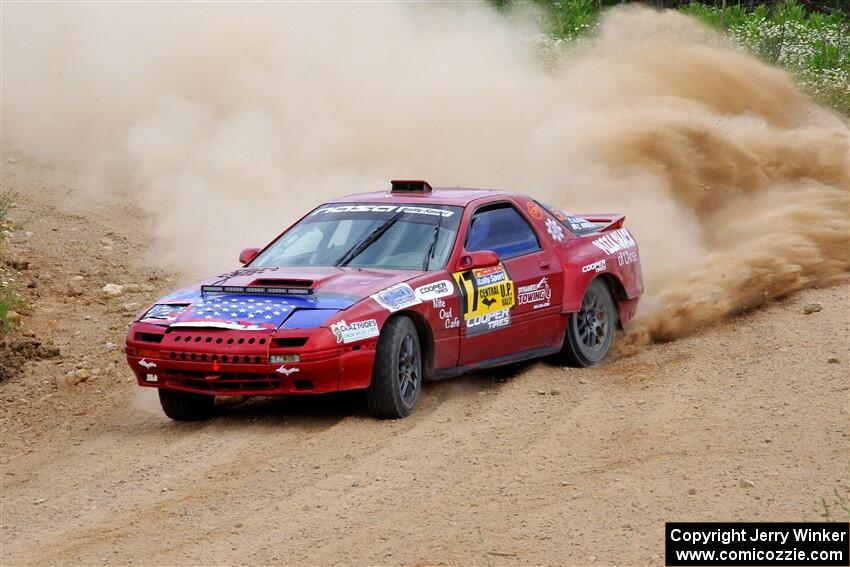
column 512, row 307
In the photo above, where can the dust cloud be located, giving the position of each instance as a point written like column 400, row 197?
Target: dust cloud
column 227, row 122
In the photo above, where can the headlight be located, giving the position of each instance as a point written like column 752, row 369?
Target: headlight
column 165, row 310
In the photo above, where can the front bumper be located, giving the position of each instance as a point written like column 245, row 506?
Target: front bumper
column 237, row 363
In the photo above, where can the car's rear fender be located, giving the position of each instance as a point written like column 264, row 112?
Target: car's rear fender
column 583, row 262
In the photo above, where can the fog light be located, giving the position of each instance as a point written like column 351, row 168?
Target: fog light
column 146, row 352
column 283, row 358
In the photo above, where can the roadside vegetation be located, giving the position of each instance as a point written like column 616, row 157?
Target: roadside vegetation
column 8, row 298
column 809, row 38
column 836, row 507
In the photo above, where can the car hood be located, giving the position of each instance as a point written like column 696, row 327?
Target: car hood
column 313, row 295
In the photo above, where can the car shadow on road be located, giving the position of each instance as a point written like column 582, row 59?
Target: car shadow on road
column 312, row 412
column 317, row 412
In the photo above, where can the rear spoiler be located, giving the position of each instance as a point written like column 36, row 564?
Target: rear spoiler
column 609, row 221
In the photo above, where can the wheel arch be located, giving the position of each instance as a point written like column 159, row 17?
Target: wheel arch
column 618, row 292
column 426, row 339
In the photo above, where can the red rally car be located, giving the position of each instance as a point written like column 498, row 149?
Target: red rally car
column 382, row 291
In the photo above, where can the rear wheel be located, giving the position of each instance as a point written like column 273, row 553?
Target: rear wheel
column 590, row 332
column 397, row 374
column 185, row 406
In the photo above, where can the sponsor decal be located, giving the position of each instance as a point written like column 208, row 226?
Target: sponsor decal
column 412, row 209
column 627, row 257
column 575, row 223
column 151, row 378
column 554, row 229
column 287, row 371
column 615, row 241
column 484, row 291
column 447, row 315
column 579, row 224
column 147, row 364
column 534, row 210
column 597, row 267
column 492, row 321
column 396, row 297
column 539, row 295
column 435, row 290
column 487, row 276
column 353, row 332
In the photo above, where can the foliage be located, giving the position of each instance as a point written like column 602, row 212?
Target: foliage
column 837, row 507
column 8, row 299
column 814, row 46
column 811, row 40
column 8, row 302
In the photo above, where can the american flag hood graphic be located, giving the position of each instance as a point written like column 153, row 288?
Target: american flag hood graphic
column 257, row 299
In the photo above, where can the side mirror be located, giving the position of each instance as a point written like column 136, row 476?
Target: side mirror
column 247, row 255
column 478, row 259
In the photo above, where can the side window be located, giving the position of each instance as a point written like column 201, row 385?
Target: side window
column 502, row 229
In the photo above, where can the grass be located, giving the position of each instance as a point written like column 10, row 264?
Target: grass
column 814, row 46
column 812, row 43
column 837, row 509
column 8, row 299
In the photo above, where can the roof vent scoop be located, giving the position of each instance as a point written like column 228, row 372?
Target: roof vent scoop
column 410, row 186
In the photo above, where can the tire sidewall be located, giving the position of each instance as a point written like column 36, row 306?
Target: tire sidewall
column 582, row 353
column 383, row 395
column 406, row 328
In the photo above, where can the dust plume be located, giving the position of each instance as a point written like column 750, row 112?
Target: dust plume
column 227, row 122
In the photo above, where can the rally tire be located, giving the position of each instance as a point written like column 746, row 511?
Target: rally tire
column 590, row 332
column 185, row 406
column 397, row 373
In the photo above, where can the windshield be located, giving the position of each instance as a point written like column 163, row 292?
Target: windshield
column 398, row 237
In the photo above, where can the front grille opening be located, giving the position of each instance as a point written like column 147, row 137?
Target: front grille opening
column 209, row 357
column 303, row 385
column 289, row 342
column 226, row 382
column 149, row 337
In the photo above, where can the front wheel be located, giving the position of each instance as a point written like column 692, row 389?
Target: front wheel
column 591, row 330
column 397, row 374
column 185, row 406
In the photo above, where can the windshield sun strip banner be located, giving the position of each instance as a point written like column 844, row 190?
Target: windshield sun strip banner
column 409, row 209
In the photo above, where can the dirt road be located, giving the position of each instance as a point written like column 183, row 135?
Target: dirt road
column 743, row 421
